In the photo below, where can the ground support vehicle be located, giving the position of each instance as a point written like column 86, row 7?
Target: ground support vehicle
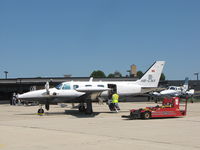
column 170, row 108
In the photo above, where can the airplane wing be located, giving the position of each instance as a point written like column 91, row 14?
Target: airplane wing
column 148, row 90
column 92, row 92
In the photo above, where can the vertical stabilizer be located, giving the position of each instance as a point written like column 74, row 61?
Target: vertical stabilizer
column 185, row 85
column 152, row 75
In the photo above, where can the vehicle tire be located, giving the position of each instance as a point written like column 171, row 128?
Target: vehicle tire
column 146, row 115
column 132, row 116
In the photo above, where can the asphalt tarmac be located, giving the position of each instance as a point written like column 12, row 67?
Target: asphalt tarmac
column 65, row 128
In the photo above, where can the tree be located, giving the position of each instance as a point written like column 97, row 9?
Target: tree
column 117, row 74
column 98, row 74
column 111, row 75
column 140, row 74
column 162, row 77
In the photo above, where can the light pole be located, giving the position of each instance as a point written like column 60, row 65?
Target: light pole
column 197, row 74
column 6, row 74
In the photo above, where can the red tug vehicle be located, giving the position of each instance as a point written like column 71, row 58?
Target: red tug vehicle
column 170, row 108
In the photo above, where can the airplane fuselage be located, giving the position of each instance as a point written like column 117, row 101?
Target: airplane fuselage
column 69, row 91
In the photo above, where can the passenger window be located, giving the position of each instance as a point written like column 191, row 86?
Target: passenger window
column 88, row 85
column 100, row 85
column 66, row 87
column 75, row 87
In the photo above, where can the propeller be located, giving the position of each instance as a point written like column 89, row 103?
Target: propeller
column 47, row 87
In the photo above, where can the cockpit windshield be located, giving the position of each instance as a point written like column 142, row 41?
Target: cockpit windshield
column 66, row 87
column 59, row 86
column 172, row 88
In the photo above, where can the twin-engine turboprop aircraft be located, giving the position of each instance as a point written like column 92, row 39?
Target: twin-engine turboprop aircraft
column 87, row 92
column 177, row 90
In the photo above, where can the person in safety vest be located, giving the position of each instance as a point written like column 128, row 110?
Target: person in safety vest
column 115, row 100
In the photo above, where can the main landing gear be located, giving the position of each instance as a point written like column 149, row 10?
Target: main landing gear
column 86, row 109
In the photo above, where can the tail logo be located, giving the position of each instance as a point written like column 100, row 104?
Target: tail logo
column 150, row 79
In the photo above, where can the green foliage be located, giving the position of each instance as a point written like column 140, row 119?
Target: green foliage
column 117, row 74
column 111, row 75
column 98, row 74
column 139, row 74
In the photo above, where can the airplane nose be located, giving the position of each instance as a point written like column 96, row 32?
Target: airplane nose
column 30, row 95
column 20, row 96
column 23, row 96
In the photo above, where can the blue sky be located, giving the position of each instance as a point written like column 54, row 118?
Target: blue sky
column 57, row 37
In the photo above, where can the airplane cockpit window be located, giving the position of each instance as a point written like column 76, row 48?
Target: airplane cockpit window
column 66, row 87
column 59, row 86
column 75, row 87
column 172, row 88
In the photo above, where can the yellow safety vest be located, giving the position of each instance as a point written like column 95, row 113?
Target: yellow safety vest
column 115, row 98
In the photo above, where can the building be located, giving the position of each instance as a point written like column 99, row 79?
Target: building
column 133, row 71
column 21, row 85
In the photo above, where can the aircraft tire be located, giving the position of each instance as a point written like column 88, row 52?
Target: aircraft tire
column 132, row 116
column 47, row 106
column 89, row 110
column 81, row 108
column 40, row 111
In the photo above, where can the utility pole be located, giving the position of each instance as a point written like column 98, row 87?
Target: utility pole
column 197, row 74
column 6, row 74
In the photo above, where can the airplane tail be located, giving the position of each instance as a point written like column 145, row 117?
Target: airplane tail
column 152, row 75
column 185, row 86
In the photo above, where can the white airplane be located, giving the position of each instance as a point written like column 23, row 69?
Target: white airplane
column 89, row 91
column 176, row 90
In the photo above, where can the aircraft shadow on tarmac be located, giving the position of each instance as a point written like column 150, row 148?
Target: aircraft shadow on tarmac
column 77, row 114
column 74, row 113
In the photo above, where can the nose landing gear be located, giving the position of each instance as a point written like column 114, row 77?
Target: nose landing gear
column 40, row 111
